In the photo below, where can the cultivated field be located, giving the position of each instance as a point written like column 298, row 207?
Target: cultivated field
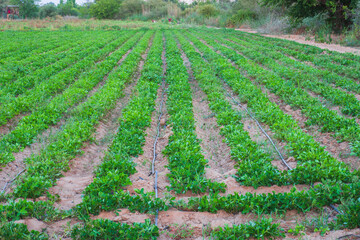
column 176, row 134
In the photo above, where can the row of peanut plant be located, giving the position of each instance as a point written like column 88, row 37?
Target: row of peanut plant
column 309, row 78
column 338, row 185
column 45, row 168
column 314, row 163
column 108, row 190
column 43, row 86
column 186, row 162
column 48, row 54
column 344, row 129
column 325, row 60
column 51, row 112
column 344, row 59
column 23, row 83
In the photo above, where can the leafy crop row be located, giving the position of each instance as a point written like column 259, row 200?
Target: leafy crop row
column 106, row 229
column 258, row 229
column 12, row 89
column 48, row 87
column 17, row 47
column 243, row 149
column 345, row 59
column 107, row 192
column 186, row 162
column 50, row 113
column 41, row 57
column 345, row 129
column 314, row 164
column 44, row 169
column 328, row 62
column 11, row 230
column 304, row 76
column 321, row 195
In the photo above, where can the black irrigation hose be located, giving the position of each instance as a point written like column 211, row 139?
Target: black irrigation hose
column 268, row 137
column 263, row 131
column 12, row 180
column 156, row 195
column 155, row 143
column 158, row 130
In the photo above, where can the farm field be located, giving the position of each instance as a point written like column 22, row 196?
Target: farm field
column 177, row 134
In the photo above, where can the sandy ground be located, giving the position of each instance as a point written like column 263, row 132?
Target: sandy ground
column 301, row 39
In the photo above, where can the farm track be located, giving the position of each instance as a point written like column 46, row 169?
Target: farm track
column 76, row 186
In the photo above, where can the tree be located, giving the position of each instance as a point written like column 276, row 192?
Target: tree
column 27, row 8
column 105, row 9
column 48, row 10
column 68, row 9
column 84, row 10
column 337, row 10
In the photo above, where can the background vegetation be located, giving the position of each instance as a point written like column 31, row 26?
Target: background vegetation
column 316, row 18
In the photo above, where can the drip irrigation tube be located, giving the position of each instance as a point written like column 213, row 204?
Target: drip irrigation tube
column 12, row 180
column 263, row 131
column 269, row 138
column 156, row 196
column 157, row 138
column 158, row 129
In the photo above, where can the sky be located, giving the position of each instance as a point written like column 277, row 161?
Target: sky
column 80, row 2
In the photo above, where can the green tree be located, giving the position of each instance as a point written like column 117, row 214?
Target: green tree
column 84, row 10
column 105, row 9
column 48, row 10
column 27, row 8
column 68, row 9
column 337, row 10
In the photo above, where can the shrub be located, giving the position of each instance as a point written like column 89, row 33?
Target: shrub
column 241, row 16
column 207, row 10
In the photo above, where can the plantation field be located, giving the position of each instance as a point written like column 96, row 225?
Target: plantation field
column 176, row 134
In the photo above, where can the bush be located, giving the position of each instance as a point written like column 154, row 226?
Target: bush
column 105, row 9
column 242, row 16
column 273, row 23
column 207, row 10
column 48, row 10
column 130, row 7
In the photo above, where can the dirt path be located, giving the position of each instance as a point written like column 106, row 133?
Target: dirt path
column 302, row 39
